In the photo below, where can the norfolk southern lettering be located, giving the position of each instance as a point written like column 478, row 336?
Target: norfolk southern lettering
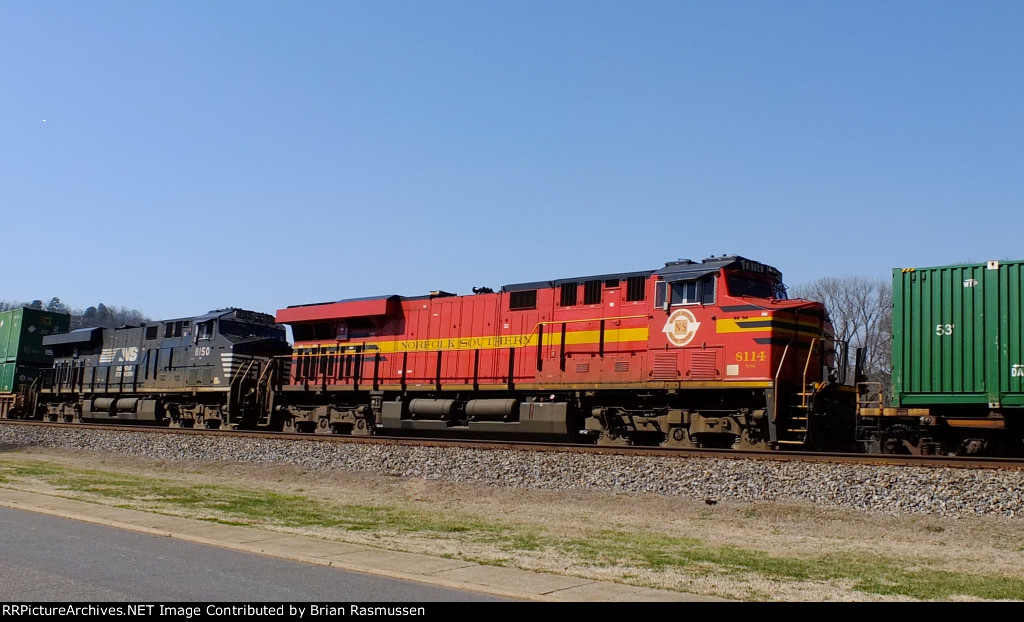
column 465, row 343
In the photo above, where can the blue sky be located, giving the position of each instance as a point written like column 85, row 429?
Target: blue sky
column 176, row 157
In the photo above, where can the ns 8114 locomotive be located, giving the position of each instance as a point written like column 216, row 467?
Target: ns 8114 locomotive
column 707, row 354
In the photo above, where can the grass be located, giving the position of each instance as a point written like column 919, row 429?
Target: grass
column 625, row 550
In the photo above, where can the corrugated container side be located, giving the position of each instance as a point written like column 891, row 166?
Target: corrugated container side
column 7, row 372
column 15, row 377
column 37, row 324
column 7, row 319
column 1011, row 333
column 957, row 335
column 22, row 332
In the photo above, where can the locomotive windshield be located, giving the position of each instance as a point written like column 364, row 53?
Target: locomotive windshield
column 694, row 291
column 755, row 287
column 204, row 330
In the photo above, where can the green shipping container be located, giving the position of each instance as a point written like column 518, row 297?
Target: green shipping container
column 957, row 336
column 15, row 377
column 22, row 331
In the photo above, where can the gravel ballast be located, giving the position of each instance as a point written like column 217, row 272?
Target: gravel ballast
column 943, row 491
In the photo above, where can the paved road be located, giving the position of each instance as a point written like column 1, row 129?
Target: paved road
column 53, row 574
column 46, row 559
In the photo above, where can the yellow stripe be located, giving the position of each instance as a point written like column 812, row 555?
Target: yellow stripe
column 731, row 325
column 582, row 337
column 428, row 385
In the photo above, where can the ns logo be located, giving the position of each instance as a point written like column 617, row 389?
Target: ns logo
column 681, row 327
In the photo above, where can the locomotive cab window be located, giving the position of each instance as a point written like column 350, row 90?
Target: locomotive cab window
column 688, row 292
column 755, row 287
column 204, row 330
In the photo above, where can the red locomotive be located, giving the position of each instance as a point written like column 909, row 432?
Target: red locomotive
column 705, row 354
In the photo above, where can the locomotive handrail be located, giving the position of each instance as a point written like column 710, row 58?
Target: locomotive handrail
column 775, row 393
column 535, row 330
column 235, row 392
column 864, row 392
column 538, row 329
column 596, row 319
column 804, row 398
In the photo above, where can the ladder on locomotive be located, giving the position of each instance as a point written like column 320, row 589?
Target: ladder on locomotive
column 264, row 392
column 792, row 425
column 255, row 399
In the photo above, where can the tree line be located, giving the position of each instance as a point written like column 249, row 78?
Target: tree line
column 94, row 316
column 861, row 313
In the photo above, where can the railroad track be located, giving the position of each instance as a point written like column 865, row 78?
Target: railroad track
column 965, row 462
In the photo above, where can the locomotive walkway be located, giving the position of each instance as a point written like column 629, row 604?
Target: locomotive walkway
column 508, row 582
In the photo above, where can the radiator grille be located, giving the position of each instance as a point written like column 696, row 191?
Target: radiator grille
column 666, row 366
column 702, row 365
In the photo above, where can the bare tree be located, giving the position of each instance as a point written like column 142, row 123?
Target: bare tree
column 861, row 312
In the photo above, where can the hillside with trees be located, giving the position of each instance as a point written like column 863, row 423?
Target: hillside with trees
column 99, row 315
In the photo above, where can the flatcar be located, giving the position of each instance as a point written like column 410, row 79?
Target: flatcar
column 958, row 364
column 708, row 354
column 205, row 370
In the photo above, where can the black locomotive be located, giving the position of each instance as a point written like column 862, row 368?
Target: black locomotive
column 211, row 370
